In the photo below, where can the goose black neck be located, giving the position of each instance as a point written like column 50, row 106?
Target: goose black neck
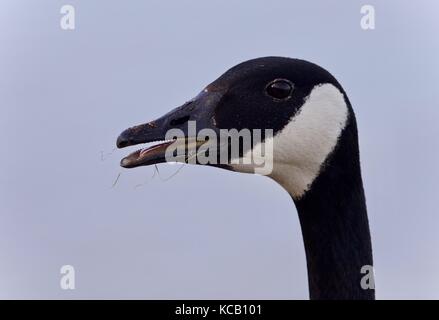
column 335, row 227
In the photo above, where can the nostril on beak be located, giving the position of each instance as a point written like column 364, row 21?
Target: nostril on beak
column 179, row 121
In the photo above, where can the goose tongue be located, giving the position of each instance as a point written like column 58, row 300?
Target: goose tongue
column 146, row 156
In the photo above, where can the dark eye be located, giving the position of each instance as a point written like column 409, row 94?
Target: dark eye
column 280, row 89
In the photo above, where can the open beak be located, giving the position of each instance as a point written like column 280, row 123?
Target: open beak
column 200, row 109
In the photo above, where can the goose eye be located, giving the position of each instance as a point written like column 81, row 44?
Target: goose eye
column 280, row 89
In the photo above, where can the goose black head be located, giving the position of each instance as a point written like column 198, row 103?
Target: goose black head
column 303, row 105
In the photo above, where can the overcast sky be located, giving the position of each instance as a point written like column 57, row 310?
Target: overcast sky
column 206, row 233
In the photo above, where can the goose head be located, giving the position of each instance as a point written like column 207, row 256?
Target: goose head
column 285, row 115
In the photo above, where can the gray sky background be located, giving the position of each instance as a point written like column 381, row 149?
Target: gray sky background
column 206, row 233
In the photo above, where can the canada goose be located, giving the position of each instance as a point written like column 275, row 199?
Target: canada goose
column 315, row 157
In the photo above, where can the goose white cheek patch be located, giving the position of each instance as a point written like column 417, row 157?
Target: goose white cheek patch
column 303, row 145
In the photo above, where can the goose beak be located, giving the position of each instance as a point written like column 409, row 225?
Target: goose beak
column 200, row 109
